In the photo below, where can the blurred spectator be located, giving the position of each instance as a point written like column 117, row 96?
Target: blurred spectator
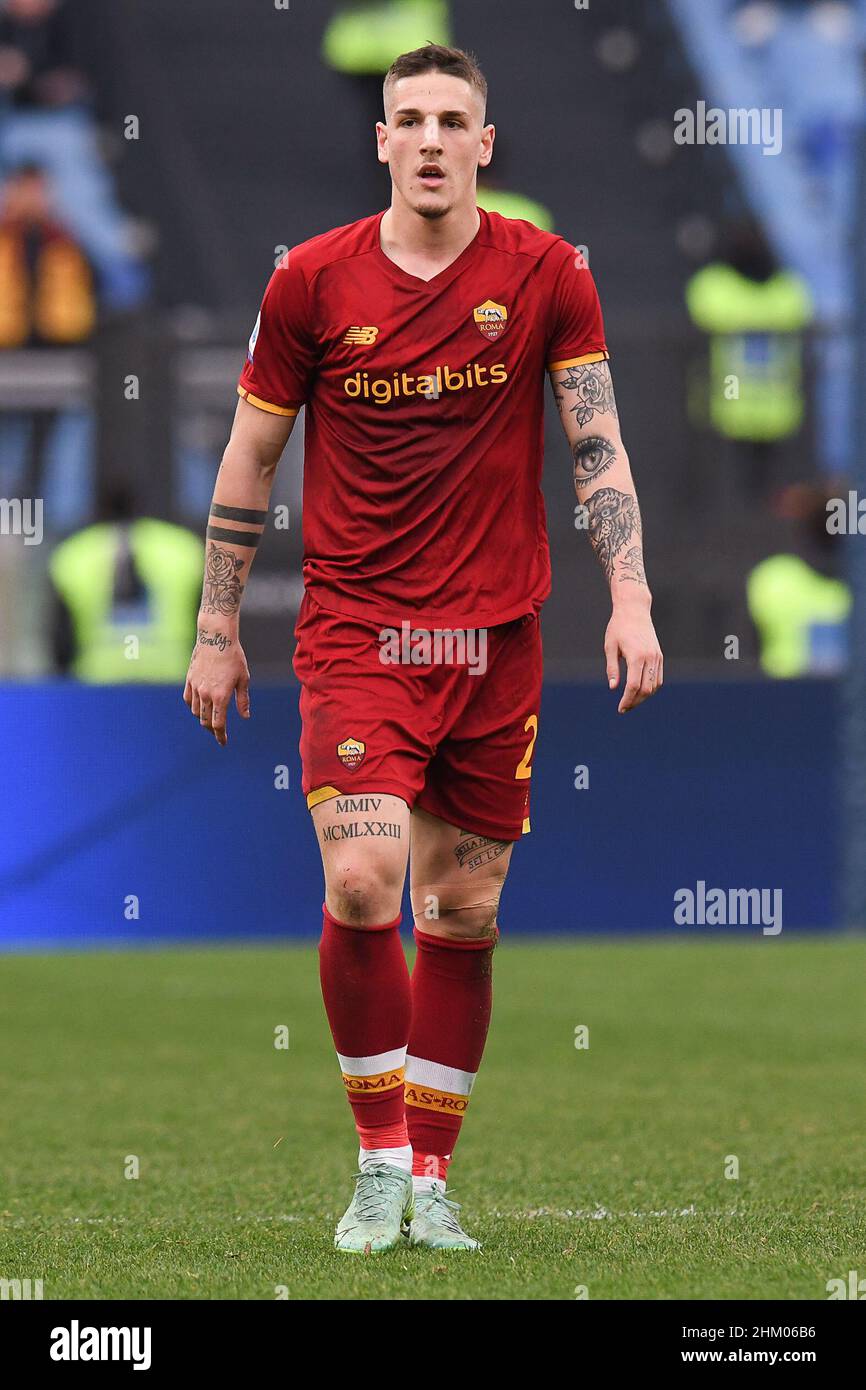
column 754, row 313
column 46, row 300
column 46, row 288
column 46, row 119
column 799, row 607
column 126, row 596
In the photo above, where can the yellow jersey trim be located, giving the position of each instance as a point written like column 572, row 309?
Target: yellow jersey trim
column 321, row 794
column 266, row 405
column 578, row 361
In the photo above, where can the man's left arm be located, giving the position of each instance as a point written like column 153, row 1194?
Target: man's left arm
column 606, row 492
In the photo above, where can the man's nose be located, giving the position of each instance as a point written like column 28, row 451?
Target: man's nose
column 432, row 139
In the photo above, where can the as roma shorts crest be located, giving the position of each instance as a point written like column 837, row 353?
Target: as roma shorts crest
column 351, row 752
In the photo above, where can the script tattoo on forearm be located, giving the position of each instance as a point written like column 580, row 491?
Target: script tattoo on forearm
column 474, row 850
column 592, row 385
column 221, row 640
column 222, row 589
column 631, row 566
column 614, row 518
column 592, row 457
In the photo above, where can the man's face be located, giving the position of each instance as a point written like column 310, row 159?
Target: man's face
column 434, row 122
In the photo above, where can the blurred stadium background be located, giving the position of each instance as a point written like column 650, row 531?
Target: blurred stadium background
column 156, row 161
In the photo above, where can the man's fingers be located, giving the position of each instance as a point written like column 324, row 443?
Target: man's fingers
column 242, row 696
column 631, row 696
column 611, row 657
column 648, row 681
column 187, row 692
column 218, row 722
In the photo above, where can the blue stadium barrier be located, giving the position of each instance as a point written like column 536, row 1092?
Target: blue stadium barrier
column 115, row 793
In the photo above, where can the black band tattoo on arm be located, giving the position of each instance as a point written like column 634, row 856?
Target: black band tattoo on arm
column 592, row 457
column 238, row 514
column 614, row 517
column 220, row 533
column 593, row 388
column 222, row 589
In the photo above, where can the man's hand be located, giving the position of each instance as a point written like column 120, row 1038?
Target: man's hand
column 630, row 634
column 217, row 668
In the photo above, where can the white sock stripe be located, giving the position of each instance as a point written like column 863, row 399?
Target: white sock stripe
column 425, row 1073
column 371, row 1066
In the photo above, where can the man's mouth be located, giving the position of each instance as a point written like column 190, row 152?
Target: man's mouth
column 430, row 174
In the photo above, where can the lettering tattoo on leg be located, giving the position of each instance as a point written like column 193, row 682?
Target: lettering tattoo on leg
column 354, row 804
column 358, row 830
column 474, row 850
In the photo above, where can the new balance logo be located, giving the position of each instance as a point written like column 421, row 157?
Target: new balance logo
column 361, row 337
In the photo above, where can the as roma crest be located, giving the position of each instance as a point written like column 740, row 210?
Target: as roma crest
column 351, row 752
column 490, row 319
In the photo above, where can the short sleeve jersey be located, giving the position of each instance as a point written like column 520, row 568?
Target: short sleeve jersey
column 424, row 426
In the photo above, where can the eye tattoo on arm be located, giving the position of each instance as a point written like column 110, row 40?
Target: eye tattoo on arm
column 592, row 457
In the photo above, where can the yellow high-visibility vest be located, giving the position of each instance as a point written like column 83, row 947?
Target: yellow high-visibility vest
column 144, row 642
column 800, row 615
column 756, row 352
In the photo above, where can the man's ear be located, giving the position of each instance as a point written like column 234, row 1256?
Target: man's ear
column 487, row 154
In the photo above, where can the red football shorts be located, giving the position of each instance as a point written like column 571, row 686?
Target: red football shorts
column 452, row 732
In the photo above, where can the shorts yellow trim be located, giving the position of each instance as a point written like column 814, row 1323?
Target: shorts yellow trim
column 526, row 827
column 266, row 405
column 578, row 361
column 321, row 794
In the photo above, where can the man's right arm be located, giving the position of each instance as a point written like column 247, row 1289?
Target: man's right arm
column 238, row 514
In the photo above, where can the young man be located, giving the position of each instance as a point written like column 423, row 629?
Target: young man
column 418, row 341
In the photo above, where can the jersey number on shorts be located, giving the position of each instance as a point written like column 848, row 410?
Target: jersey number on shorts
column 523, row 768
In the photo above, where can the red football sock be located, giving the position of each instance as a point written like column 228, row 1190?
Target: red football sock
column 452, row 996
column 365, row 986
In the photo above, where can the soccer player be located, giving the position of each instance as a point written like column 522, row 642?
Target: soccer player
column 418, row 340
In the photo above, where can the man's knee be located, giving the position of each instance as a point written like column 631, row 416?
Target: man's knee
column 458, row 921
column 364, row 895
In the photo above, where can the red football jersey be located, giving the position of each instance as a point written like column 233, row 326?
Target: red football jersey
column 424, row 432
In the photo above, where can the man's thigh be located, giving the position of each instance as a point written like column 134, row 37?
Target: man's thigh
column 364, row 843
column 456, row 877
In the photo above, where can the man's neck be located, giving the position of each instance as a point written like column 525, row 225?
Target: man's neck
column 404, row 235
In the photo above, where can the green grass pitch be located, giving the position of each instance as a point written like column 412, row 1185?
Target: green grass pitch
column 599, row 1168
